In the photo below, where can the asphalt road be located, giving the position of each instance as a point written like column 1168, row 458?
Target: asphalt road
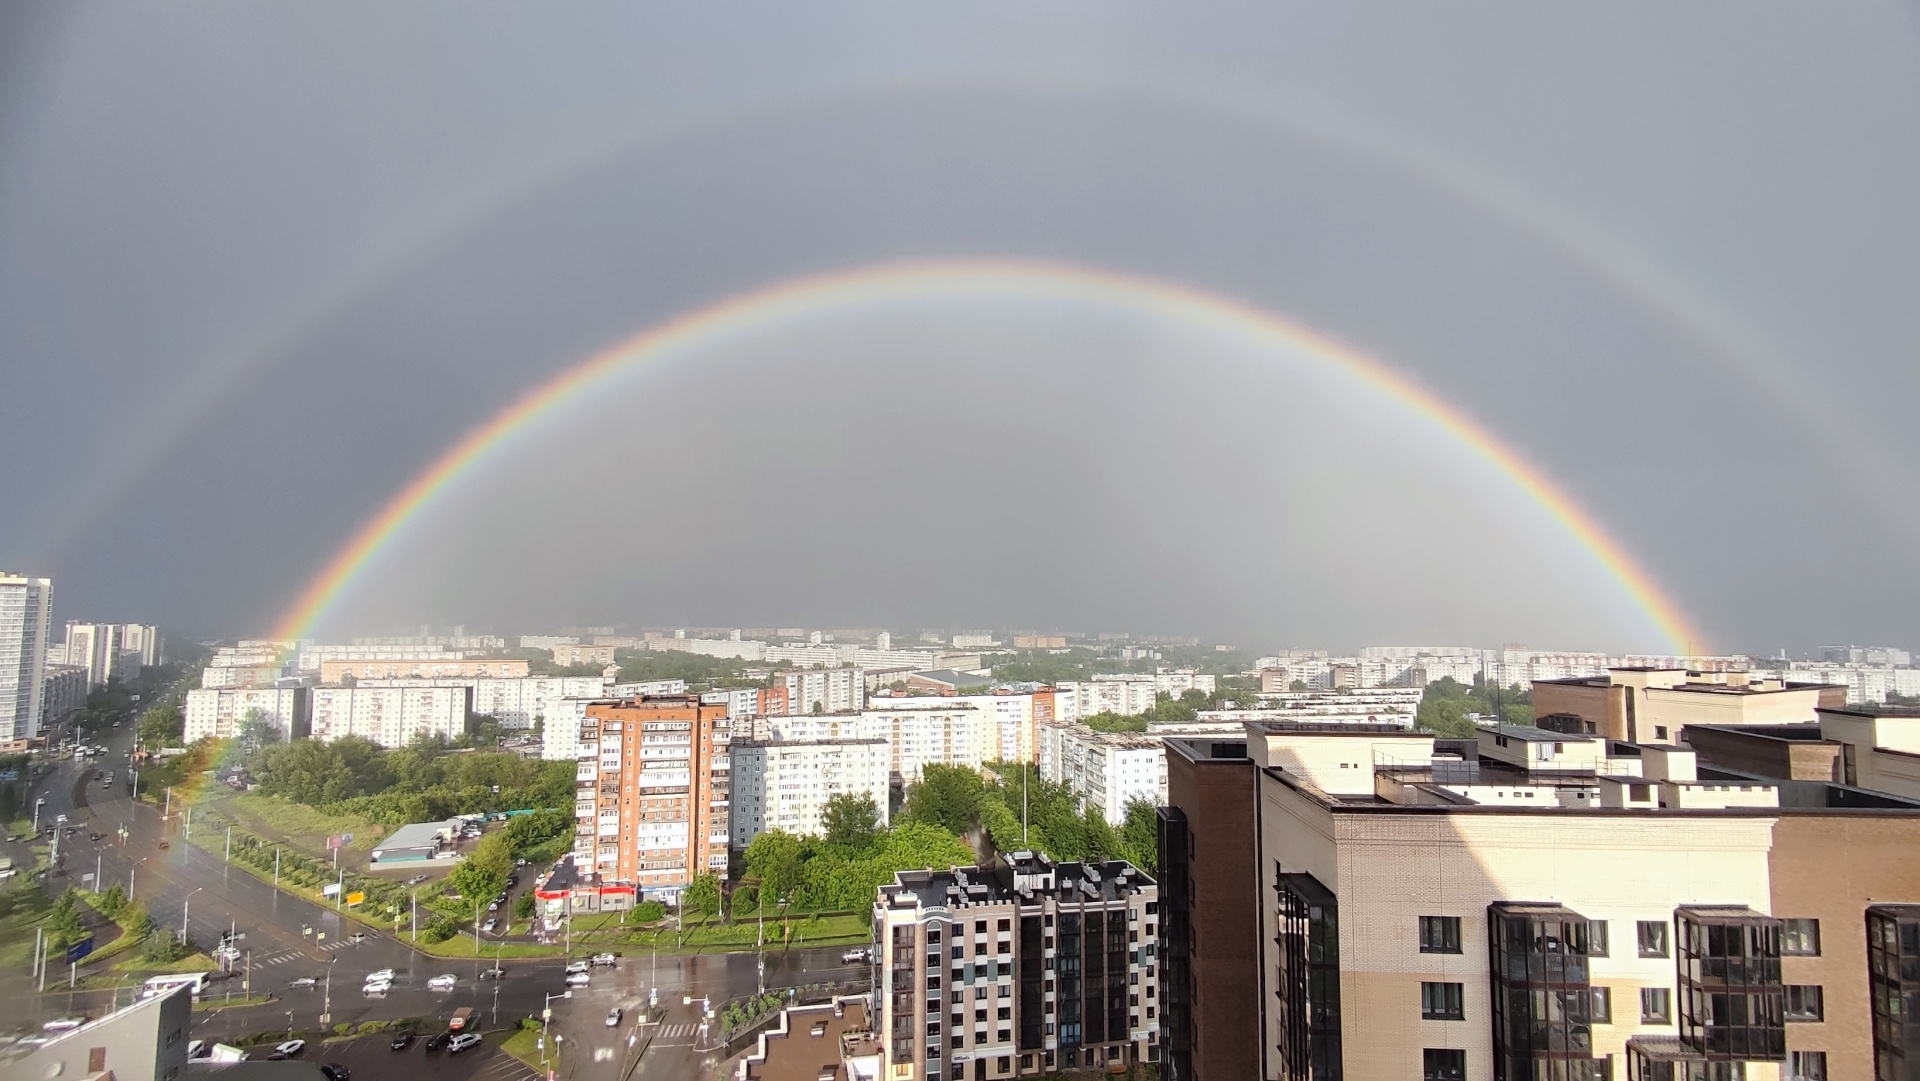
column 182, row 883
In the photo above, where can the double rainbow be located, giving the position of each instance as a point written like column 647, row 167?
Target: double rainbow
column 901, row 281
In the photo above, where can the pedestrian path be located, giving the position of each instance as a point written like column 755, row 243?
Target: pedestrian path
column 682, row 1031
column 280, row 958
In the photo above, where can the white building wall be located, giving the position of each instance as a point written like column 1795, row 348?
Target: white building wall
column 26, row 617
column 389, row 716
column 560, row 735
column 786, row 785
column 221, row 711
column 836, row 690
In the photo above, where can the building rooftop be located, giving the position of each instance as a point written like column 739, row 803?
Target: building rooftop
column 1531, row 734
column 1025, row 877
column 419, row 834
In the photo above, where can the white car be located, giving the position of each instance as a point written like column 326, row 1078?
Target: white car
column 856, row 956
column 289, row 1048
column 304, row 983
column 380, row 987
column 462, row 1042
column 603, row 959
column 578, row 979
column 613, row 1017
column 443, row 982
column 489, row 926
column 384, row 974
column 577, row 966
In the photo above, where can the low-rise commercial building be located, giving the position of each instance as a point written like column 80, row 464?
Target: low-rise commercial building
column 417, row 842
column 785, row 784
column 1021, row 968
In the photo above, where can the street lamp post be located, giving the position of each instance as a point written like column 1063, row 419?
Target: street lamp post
column 546, row 1015
column 135, row 866
column 183, row 911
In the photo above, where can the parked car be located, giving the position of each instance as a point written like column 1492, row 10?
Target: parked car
column 443, row 982
column 613, row 1017
column 401, row 1041
column 493, row 906
column 578, row 979
column 288, row 1049
column 438, row 1040
column 336, row 1071
column 577, row 966
column 856, row 956
column 417, row 879
column 463, row 1042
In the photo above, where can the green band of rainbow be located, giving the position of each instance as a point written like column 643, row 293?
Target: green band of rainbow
column 896, row 281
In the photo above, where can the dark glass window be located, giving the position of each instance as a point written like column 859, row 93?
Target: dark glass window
column 1443, row 1064
column 1439, row 934
column 1800, row 938
column 1731, row 995
column 1805, row 1002
column 1441, row 1002
column 1652, row 936
column 1597, row 938
column 1807, row 1066
column 1308, row 981
column 1656, row 1006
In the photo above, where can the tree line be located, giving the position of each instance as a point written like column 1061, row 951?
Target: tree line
column 423, row 782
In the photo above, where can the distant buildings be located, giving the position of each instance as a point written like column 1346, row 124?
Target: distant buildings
column 26, row 613
column 109, row 650
column 516, row 702
column 1105, row 770
column 389, row 716
column 1019, row 969
column 824, row 690
column 222, row 712
column 571, row 653
column 785, row 784
column 340, row 670
column 654, row 787
column 63, row 689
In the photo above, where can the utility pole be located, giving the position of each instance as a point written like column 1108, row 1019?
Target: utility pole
column 229, row 842
column 167, row 812
column 276, row 865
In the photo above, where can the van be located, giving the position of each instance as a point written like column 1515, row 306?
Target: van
column 460, row 1019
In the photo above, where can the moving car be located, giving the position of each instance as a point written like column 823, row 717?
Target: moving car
column 577, row 966
column 64, row 1024
column 357, row 936
column 196, row 1048
column 856, row 956
column 401, row 1041
column 381, row 974
column 438, row 1040
column 443, row 982
column 304, row 983
column 461, row 1018
column 578, row 979
column 288, row 1049
column 613, row 1017
column 488, row 926
column 603, row 959
column 463, row 1042
column 494, row 973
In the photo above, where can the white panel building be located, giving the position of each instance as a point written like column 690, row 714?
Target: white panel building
column 389, row 716
column 834, row 690
column 785, row 785
column 560, row 735
column 1105, row 770
column 516, row 702
column 26, row 613
column 221, row 712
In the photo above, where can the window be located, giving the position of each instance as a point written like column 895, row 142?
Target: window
column 1807, row 1066
column 1805, row 1002
column 1443, row 1064
column 1800, row 938
column 1597, row 938
column 1659, row 731
column 1441, row 1002
column 1653, row 938
column 1005, row 924
column 1439, row 934
column 1656, row 1006
column 1600, row 1010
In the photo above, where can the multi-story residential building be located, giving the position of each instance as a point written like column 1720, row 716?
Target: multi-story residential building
column 242, row 675
column 1105, row 770
column 26, row 614
column 415, row 644
column 515, row 703
column 1008, row 729
column 1022, row 968
column 337, row 670
column 578, row 653
column 547, row 641
column 63, row 689
column 313, row 656
column 785, row 785
column 221, row 712
column 1368, row 705
column 647, row 687
column 1378, row 904
column 974, row 641
column 1645, row 705
column 1875, row 747
column 826, row 690
column 1039, row 641
column 250, row 653
column 389, row 716
column 1866, row 684
column 726, row 648
column 654, row 787
column 1076, row 700
column 111, row 650
column 1873, row 655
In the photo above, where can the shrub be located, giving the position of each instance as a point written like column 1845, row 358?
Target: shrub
column 343, row 1028
column 530, row 1024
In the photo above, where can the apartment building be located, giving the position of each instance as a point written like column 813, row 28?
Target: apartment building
column 1872, row 747
column 515, row 703
column 221, row 712
column 647, row 687
column 1105, row 770
column 654, row 781
column 825, row 690
column 456, row 667
column 1354, row 904
column 785, row 784
column 241, row 675
column 389, row 716
column 1652, row 705
column 111, row 650
column 63, row 689
column 1021, row 968
column 1367, row 705
column 26, row 613
column 569, row 653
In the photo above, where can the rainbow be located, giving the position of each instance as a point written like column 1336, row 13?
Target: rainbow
column 871, row 285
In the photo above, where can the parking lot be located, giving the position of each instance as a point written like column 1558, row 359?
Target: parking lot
column 370, row 1059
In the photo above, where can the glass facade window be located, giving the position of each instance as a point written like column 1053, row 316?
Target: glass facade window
column 1800, row 938
column 1439, row 934
column 1442, row 1001
column 1307, row 937
column 1893, row 990
column 1731, row 995
column 1542, row 1001
column 1443, row 1064
column 1652, row 936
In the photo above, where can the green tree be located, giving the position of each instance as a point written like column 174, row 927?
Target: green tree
column 851, row 821
column 646, row 912
column 112, row 902
column 523, row 908
column 945, row 796
column 778, row 859
column 702, row 895
column 1140, row 835
column 484, row 872
column 1298, row 685
column 64, row 925
column 162, row 726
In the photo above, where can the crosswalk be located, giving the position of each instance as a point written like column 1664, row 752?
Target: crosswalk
column 280, row 958
column 676, row 1032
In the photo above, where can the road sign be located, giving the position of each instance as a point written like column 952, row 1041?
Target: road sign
column 330, row 889
column 79, row 949
column 356, row 897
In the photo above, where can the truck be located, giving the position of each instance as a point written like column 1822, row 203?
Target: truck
column 461, row 1018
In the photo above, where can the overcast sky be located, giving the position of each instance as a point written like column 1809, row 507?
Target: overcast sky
column 259, row 266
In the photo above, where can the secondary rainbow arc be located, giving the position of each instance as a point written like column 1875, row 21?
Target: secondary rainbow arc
column 891, row 281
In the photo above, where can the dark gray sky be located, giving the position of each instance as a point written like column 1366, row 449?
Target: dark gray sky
column 257, row 267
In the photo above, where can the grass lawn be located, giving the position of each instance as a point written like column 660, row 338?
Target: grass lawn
column 462, row 946
column 524, row 1045
column 236, row 1002
column 193, row 962
column 20, row 908
column 302, row 826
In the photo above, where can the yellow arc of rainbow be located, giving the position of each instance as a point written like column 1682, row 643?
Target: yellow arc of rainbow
column 921, row 279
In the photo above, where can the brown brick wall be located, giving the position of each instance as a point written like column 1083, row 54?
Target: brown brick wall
column 1220, row 798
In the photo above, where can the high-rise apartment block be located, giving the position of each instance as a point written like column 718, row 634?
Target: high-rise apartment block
column 26, row 613
column 785, row 785
column 1375, row 905
column 389, row 716
column 223, row 712
column 822, row 690
column 1021, row 968
column 111, row 650
column 1106, row 770
column 654, row 787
